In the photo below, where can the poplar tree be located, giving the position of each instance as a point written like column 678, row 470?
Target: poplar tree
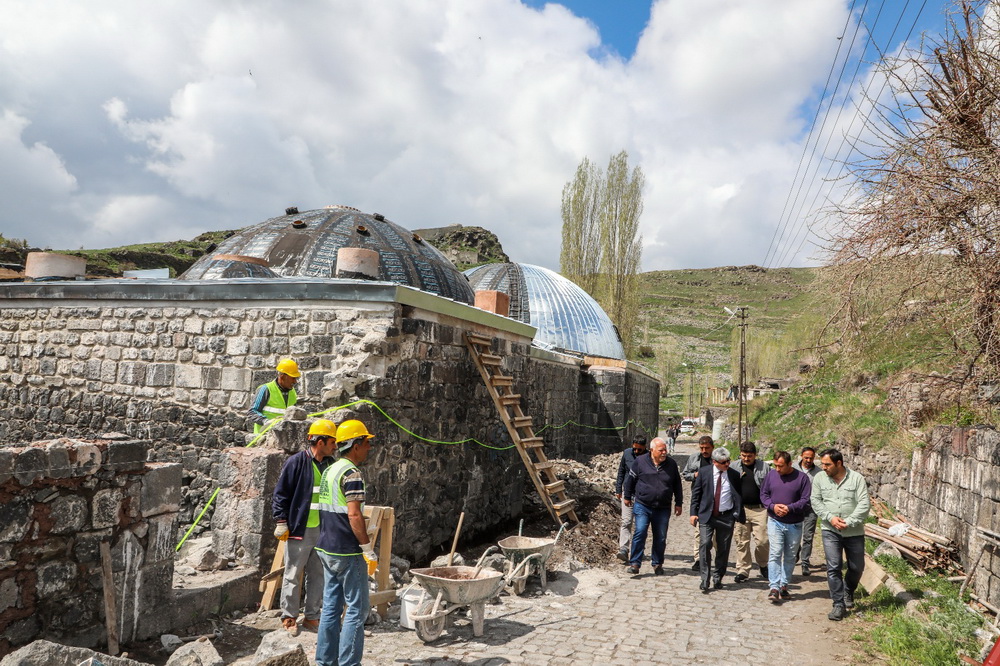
column 601, row 246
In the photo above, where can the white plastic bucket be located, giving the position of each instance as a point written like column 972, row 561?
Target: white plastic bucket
column 408, row 602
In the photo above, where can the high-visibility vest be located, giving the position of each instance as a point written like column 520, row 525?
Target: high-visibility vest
column 336, row 536
column 276, row 405
column 313, row 519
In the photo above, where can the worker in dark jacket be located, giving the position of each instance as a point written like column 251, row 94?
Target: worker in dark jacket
column 625, row 530
column 295, row 506
column 652, row 482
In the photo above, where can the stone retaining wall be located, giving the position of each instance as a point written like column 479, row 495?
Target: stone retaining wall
column 949, row 487
column 61, row 500
column 179, row 373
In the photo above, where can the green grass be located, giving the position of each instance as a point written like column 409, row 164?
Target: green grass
column 934, row 636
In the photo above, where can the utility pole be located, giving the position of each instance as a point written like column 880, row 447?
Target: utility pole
column 741, row 394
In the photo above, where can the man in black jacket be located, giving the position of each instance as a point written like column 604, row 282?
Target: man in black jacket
column 651, row 483
column 296, row 517
column 625, row 529
column 716, row 506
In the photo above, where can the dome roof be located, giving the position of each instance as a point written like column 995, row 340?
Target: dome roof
column 306, row 244
column 564, row 314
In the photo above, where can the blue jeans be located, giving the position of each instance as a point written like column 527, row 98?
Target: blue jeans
column 835, row 546
column 346, row 582
column 784, row 539
column 644, row 517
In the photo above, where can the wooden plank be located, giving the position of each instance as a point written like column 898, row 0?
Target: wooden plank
column 874, row 576
column 522, row 421
column 532, row 442
column 383, row 582
column 273, row 586
column 477, row 339
column 502, row 380
column 511, row 399
column 382, row 599
column 564, row 507
column 110, row 609
column 491, row 359
column 557, row 487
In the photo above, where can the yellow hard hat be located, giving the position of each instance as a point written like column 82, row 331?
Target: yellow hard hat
column 288, row 367
column 352, row 429
column 324, row 428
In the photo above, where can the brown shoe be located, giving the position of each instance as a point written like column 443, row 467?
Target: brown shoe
column 310, row 625
column 290, row 625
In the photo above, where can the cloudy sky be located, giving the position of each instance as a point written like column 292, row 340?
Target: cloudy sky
column 132, row 121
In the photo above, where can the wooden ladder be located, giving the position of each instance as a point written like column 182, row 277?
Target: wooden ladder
column 530, row 447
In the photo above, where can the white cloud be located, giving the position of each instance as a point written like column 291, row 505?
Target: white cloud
column 188, row 116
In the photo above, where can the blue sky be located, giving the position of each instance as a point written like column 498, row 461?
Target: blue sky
column 185, row 117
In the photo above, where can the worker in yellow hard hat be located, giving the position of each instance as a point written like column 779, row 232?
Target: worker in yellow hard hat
column 274, row 398
column 295, row 506
column 347, row 554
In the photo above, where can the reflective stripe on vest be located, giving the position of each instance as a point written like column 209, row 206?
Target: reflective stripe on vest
column 331, row 494
column 313, row 519
column 276, row 405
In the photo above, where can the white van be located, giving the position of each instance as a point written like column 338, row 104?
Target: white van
column 688, row 426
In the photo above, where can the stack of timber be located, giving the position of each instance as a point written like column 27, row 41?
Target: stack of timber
column 924, row 550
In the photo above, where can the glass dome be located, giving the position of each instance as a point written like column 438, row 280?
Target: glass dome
column 305, row 245
column 565, row 315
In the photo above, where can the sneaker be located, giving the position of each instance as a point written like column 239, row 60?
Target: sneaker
column 741, row 578
column 310, row 625
column 785, row 594
column 805, row 570
column 634, row 569
column 658, row 570
column 622, row 555
column 773, row 596
column 837, row 614
column 290, row 625
column 848, row 599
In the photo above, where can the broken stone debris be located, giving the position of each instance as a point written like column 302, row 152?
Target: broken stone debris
column 278, row 649
column 46, row 653
column 196, row 653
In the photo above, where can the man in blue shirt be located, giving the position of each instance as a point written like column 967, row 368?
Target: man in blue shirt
column 651, row 483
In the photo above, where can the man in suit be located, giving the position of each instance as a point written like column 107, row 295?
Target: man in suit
column 716, row 506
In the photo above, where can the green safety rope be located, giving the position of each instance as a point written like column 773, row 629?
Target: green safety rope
column 273, row 422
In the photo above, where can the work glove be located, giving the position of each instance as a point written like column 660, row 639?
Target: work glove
column 368, row 550
column 281, row 531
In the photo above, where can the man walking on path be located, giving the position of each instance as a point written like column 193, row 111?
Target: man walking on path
column 716, row 506
column 295, row 506
column 840, row 499
column 345, row 550
column 272, row 399
column 651, row 483
column 629, row 455
column 785, row 495
column 694, row 463
column 807, row 465
column 752, row 472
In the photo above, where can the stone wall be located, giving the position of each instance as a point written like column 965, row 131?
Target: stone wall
column 949, row 487
column 61, row 500
column 177, row 365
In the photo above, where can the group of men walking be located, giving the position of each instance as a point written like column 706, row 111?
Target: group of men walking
column 771, row 514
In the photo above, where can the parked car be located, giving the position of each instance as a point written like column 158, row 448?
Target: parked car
column 688, row 426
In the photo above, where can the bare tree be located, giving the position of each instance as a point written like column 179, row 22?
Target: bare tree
column 920, row 240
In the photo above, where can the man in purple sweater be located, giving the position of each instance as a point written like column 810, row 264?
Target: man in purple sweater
column 785, row 494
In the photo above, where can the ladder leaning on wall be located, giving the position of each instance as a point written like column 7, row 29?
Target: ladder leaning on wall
column 551, row 489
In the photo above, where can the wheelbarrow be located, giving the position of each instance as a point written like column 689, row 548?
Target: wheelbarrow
column 447, row 589
column 534, row 551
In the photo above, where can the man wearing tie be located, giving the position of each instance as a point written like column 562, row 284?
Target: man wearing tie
column 716, row 506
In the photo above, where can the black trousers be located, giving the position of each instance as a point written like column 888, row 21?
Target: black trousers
column 719, row 528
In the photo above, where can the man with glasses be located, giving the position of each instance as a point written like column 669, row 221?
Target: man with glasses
column 840, row 499
column 703, row 458
column 716, row 506
column 629, row 455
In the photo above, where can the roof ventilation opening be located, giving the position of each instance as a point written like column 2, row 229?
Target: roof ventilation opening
column 379, row 216
column 299, row 224
column 362, row 229
column 292, row 210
